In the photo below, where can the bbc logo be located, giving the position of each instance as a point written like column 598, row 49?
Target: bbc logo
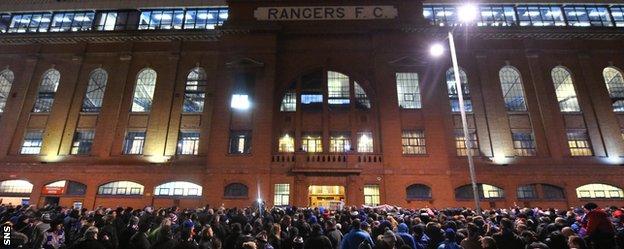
column 6, row 236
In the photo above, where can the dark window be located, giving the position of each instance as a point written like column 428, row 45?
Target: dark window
column 95, row 91
column 236, row 190
column 240, row 142
column 76, row 188
column 418, row 191
column 527, row 192
column 83, row 140
column 524, row 143
column 133, row 144
column 5, row 21
column 117, row 20
column 485, row 191
column 552, row 192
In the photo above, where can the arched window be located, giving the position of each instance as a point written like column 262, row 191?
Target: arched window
column 598, row 190
column 121, row 188
column 361, row 98
column 6, row 81
column 178, row 189
column 552, row 192
column 615, row 85
column 64, row 187
column 195, row 91
column 47, row 90
column 513, row 91
column 548, row 192
column 418, row 192
column 452, row 90
column 144, row 91
column 95, row 91
column 527, row 191
column 236, row 190
column 564, row 89
column 486, row 191
column 15, row 187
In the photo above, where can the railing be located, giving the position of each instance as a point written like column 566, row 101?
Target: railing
column 325, row 161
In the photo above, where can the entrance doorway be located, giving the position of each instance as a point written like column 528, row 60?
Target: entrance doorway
column 332, row 197
column 51, row 200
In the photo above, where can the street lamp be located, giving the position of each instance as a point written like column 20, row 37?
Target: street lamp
column 466, row 13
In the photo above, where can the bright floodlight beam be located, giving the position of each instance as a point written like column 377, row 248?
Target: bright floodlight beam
column 467, row 13
column 436, row 50
column 240, row 102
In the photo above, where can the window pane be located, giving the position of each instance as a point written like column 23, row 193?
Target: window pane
column 236, row 190
column 240, row 142
column 513, row 91
column 365, row 142
column 178, row 188
column 360, row 96
column 195, row 91
column 83, row 140
column 312, row 142
column 418, row 191
column 95, row 91
column 453, row 93
column 524, row 143
column 121, row 188
column 289, row 102
column 371, row 195
column 337, row 88
column 47, row 91
column 282, row 194
column 15, row 187
column 408, row 90
column 6, row 81
column 133, row 144
column 72, row 21
column 579, row 144
column 414, row 142
column 615, row 85
column 527, row 192
column 188, row 143
column 144, row 91
column 32, row 143
column 496, row 16
column 462, row 146
column 564, row 89
column 598, row 190
column 286, row 143
column 340, row 142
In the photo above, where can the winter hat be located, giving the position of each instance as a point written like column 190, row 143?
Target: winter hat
column 449, row 234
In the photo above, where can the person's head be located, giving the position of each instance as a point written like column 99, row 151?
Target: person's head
column 506, row 224
column 389, row 237
column 576, row 242
column 207, row 232
column 91, row 233
column 249, row 245
column 590, row 206
column 355, row 224
column 330, row 224
column 449, row 233
column 567, row 232
column 317, row 229
column 473, row 230
column 488, row 242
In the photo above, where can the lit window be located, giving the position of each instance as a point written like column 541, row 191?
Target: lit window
column 236, row 190
column 461, row 145
column 418, row 192
column 95, row 91
column 485, row 192
column 282, row 194
column 497, row 15
column 144, row 91
column 161, row 19
column 578, row 142
column 47, row 91
column 205, row 18
column 240, row 142
column 30, row 22
column 195, row 91
column 337, row 88
column 286, row 144
column 365, row 142
column 615, row 85
column 452, row 90
column 188, row 143
column 72, row 21
column 584, row 16
column 527, row 192
column 83, row 140
column 371, row 195
column 240, row 102
column 6, row 81
column 540, row 15
column 309, row 99
column 178, row 189
column 408, row 90
column 414, row 142
column 312, row 143
column 564, row 89
column 524, row 143
column 513, row 91
column 5, row 21
column 121, row 188
column 617, row 12
column 133, row 143
column 289, row 102
column 114, row 20
column 32, row 143
column 340, row 142
column 15, row 187
column 361, row 98
column 440, row 15
column 597, row 190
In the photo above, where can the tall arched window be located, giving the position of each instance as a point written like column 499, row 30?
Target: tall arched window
column 144, row 91
column 615, row 85
column 452, row 90
column 6, row 81
column 564, row 89
column 178, row 188
column 95, row 91
column 236, row 190
column 485, row 191
column 15, row 187
column 195, row 91
column 599, row 190
column 418, row 191
column 47, row 90
column 513, row 91
column 121, row 188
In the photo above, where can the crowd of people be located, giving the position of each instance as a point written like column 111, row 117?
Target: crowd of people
column 257, row 227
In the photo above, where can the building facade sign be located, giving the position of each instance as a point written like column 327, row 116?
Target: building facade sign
column 322, row 13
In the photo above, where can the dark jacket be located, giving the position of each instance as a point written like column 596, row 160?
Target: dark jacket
column 139, row 241
column 88, row 244
column 335, row 236
column 318, row 241
column 508, row 240
column 186, row 245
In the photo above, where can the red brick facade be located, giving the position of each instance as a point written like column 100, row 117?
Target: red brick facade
column 368, row 51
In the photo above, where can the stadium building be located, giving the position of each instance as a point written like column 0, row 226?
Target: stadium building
column 310, row 103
